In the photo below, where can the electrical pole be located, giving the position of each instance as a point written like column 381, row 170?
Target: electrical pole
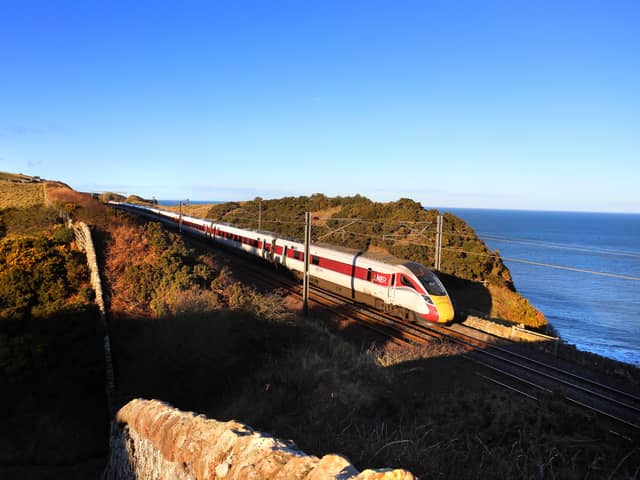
column 305, row 278
column 180, row 219
column 438, row 255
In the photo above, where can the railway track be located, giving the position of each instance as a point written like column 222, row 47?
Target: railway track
column 533, row 378
column 500, row 365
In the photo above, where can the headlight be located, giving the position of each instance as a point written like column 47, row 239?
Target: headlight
column 427, row 299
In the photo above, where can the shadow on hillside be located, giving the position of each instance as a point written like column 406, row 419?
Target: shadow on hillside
column 467, row 295
column 222, row 363
column 193, row 361
column 53, row 408
column 434, row 415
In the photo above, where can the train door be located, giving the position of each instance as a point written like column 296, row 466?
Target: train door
column 391, row 291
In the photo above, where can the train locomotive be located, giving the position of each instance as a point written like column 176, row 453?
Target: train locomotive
column 400, row 287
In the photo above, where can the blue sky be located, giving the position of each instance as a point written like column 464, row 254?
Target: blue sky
column 489, row 104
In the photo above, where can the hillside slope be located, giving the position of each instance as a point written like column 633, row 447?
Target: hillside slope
column 475, row 276
column 53, row 409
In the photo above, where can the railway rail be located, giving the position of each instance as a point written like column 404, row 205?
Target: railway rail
column 499, row 364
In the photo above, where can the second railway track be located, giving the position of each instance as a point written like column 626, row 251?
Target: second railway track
column 520, row 373
column 517, row 371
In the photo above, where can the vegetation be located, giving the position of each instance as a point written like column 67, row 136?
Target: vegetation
column 294, row 379
column 41, row 276
column 111, row 197
column 24, row 195
column 476, row 277
column 53, row 409
column 247, row 359
column 404, row 228
column 184, row 331
column 29, row 221
column 153, row 273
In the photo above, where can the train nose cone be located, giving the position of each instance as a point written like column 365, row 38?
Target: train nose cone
column 445, row 308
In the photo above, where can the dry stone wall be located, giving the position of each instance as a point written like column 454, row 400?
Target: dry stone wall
column 84, row 240
column 152, row 440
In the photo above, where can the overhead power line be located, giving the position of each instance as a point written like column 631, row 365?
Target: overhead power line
column 393, row 238
column 550, row 265
column 538, row 243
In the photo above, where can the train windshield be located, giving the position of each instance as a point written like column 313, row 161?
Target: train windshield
column 431, row 283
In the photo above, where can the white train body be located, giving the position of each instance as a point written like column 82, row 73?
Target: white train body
column 385, row 282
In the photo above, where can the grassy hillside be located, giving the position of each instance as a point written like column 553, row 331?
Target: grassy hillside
column 53, row 407
column 19, row 195
column 183, row 331
column 475, row 276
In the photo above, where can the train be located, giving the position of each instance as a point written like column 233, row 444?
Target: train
column 399, row 287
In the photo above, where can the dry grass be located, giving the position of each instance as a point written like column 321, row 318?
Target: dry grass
column 11, row 177
column 21, row 195
column 378, row 249
column 199, row 211
column 324, row 215
column 393, row 354
column 61, row 194
column 128, row 246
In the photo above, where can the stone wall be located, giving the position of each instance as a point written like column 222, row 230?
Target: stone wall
column 152, row 440
column 85, row 242
column 510, row 332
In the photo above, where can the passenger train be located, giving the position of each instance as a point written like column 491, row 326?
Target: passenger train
column 400, row 287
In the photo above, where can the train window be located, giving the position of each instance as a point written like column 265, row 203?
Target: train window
column 315, row 260
column 369, row 274
column 406, row 282
column 298, row 255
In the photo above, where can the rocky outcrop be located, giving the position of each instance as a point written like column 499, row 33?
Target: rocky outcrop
column 152, row 440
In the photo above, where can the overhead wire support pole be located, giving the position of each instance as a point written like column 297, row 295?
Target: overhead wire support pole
column 305, row 278
column 438, row 254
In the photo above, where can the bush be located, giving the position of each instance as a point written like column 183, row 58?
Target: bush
column 38, row 272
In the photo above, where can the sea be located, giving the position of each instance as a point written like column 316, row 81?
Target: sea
column 582, row 270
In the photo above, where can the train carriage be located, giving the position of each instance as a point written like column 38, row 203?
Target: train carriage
column 401, row 287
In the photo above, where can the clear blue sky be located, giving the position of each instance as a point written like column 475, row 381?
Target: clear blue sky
column 495, row 104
